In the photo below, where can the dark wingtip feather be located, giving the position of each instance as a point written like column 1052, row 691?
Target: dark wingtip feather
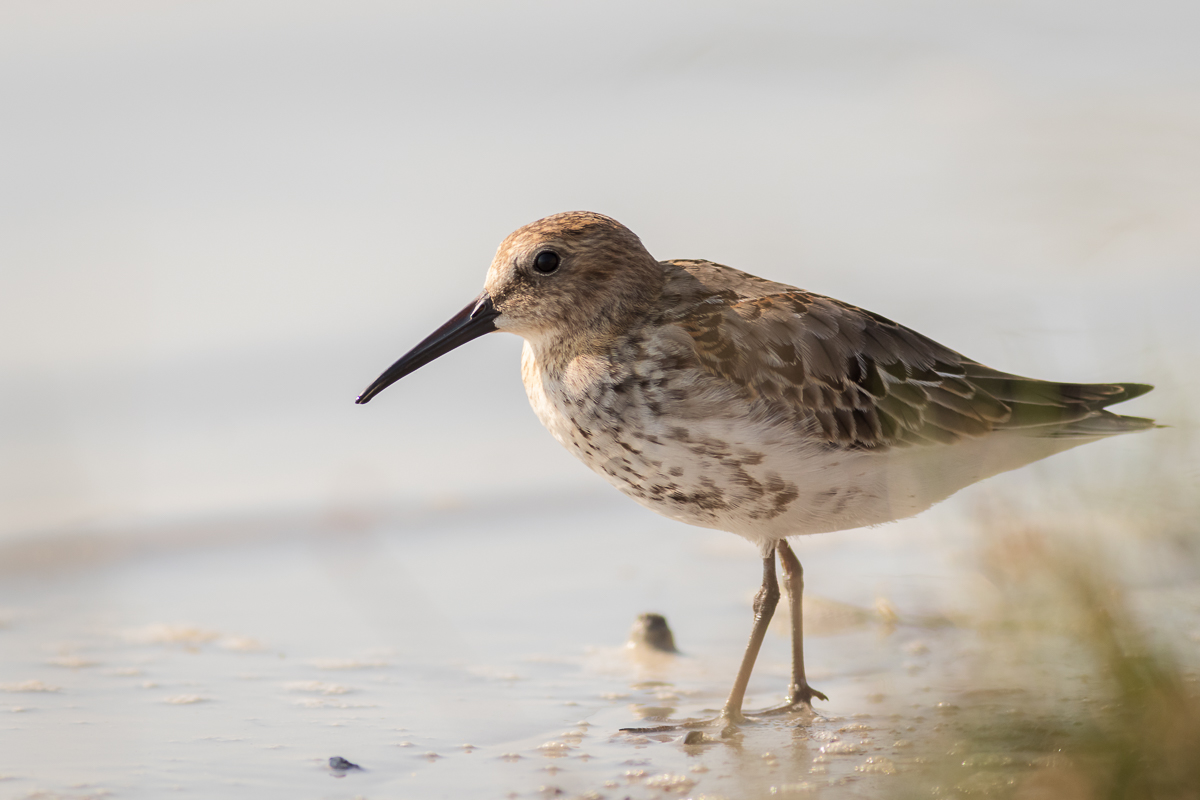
column 1103, row 423
column 1130, row 391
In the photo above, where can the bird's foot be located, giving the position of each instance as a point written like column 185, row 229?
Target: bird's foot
column 724, row 722
column 799, row 699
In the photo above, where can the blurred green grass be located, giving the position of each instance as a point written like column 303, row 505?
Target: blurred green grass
column 1091, row 626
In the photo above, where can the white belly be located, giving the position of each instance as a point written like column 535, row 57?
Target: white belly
column 725, row 466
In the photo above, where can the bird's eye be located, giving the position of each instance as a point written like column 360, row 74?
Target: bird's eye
column 546, row 262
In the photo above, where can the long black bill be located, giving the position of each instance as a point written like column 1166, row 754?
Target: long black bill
column 472, row 322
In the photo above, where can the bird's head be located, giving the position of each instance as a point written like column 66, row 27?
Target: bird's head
column 571, row 277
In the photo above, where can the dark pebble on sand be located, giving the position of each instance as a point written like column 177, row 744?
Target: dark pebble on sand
column 651, row 630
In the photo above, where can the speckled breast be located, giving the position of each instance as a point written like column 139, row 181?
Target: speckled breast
column 674, row 444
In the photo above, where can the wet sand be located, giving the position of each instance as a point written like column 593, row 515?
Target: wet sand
column 480, row 652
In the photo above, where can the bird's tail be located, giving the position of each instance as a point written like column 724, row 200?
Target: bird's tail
column 1061, row 410
column 1103, row 423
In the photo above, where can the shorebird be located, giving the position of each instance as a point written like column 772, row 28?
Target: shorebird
column 728, row 401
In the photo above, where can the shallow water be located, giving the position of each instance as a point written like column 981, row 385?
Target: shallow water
column 481, row 652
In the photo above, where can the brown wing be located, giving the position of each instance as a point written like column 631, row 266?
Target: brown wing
column 871, row 383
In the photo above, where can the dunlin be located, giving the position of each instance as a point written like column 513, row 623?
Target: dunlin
column 728, row 401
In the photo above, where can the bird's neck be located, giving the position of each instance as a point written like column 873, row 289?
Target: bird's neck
column 553, row 354
column 597, row 336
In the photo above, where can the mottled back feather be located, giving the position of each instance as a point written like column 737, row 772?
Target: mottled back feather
column 864, row 380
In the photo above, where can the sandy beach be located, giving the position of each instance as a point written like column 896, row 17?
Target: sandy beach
column 481, row 651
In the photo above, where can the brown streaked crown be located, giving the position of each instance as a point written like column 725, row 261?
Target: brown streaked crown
column 604, row 276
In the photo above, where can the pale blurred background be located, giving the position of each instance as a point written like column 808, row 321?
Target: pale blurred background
column 221, row 220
